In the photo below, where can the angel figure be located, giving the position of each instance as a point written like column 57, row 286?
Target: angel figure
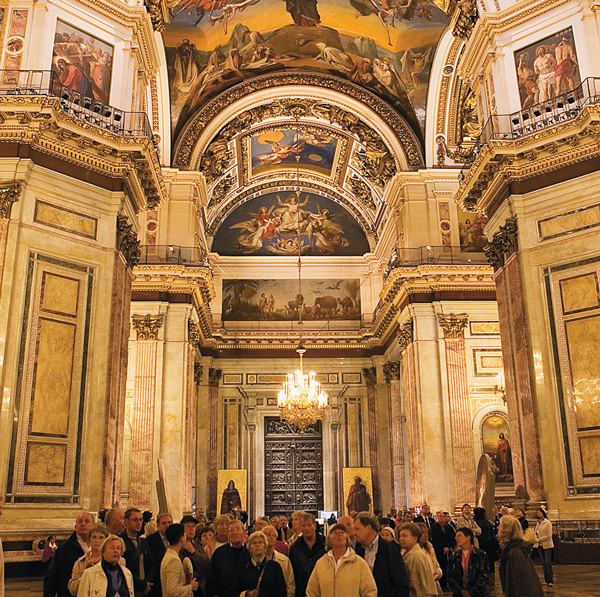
column 413, row 65
column 317, row 138
column 293, row 217
column 279, row 152
column 253, row 231
column 329, row 235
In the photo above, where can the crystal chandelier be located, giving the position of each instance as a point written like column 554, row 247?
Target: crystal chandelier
column 301, row 401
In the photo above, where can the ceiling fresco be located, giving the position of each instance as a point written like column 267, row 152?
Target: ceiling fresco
column 385, row 46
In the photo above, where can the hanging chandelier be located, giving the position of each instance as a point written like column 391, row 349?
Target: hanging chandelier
column 301, row 401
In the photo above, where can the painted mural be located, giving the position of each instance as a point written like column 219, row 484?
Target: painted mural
column 470, row 230
column 384, row 45
column 496, row 444
column 279, row 300
column 547, row 68
column 283, row 223
column 82, row 62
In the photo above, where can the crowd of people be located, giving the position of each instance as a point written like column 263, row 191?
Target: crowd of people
column 129, row 554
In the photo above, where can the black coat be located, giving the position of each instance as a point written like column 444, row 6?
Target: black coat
column 478, row 583
column 200, row 564
column 59, row 574
column 389, row 570
column 272, row 583
column 132, row 560
column 225, row 567
column 157, row 551
column 428, row 521
column 487, row 539
column 303, row 561
column 441, row 538
column 517, row 574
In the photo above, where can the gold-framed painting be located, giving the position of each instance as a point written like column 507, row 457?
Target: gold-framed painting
column 358, row 489
column 232, row 487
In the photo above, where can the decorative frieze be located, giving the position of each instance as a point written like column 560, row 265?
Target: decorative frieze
column 370, row 375
column 214, row 376
column 454, row 325
column 504, row 243
column 147, row 327
column 8, row 196
column 405, row 334
column 392, row 370
column 127, row 242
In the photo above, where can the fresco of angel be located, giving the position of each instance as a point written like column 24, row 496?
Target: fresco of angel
column 254, row 231
column 328, row 235
column 279, row 152
column 219, row 11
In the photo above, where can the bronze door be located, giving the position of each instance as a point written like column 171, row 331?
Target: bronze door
column 293, row 468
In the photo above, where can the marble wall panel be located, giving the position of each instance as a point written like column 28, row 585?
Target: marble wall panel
column 573, row 221
column 45, row 464
column 353, row 422
column 66, row 220
column 590, row 456
column 579, row 293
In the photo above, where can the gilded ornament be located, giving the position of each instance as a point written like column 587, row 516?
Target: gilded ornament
column 503, row 244
column 405, row 334
column 8, row 196
column 392, row 371
column 194, row 334
column 198, row 370
column 147, row 326
column 362, row 192
column 370, row 375
column 214, row 377
column 127, row 242
column 454, row 325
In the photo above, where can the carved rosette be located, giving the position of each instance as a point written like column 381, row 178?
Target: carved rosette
column 370, row 375
column 127, row 242
column 194, row 334
column 214, row 377
column 405, row 334
column 147, row 327
column 454, row 325
column 8, row 196
column 391, row 371
column 198, row 370
column 504, row 243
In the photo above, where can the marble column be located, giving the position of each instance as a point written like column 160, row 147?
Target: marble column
column 370, row 375
column 337, row 475
column 463, row 461
column 214, row 377
column 142, row 417
column 392, row 372
column 8, row 196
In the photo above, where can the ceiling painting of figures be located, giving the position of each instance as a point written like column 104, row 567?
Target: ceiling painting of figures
column 283, row 224
column 385, row 46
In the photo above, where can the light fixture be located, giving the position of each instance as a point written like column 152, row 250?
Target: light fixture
column 301, row 401
column 500, row 387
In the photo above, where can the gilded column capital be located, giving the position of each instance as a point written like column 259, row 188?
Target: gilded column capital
column 8, row 196
column 147, row 326
column 370, row 375
column 194, row 335
column 158, row 13
column 214, row 376
column 503, row 244
column 127, row 242
column 454, row 325
column 391, row 371
column 198, row 370
column 405, row 334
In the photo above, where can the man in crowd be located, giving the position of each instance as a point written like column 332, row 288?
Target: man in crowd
column 193, row 550
column 226, row 563
column 383, row 557
column 58, row 575
column 468, row 567
column 466, row 520
column 137, row 553
column 348, row 522
column 287, row 532
column 305, row 552
column 426, row 517
column 158, row 544
column 115, row 521
column 172, row 574
column 443, row 541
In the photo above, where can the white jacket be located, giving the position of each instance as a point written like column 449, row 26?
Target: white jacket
column 288, row 572
column 172, row 576
column 94, row 582
column 543, row 532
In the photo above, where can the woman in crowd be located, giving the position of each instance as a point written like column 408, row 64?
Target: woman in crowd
column 272, row 554
column 49, row 549
column 387, row 533
column 427, row 547
column 487, row 539
column 543, row 533
column 97, row 536
column 517, row 574
column 416, row 560
column 207, row 540
column 261, row 577
column 340, row 572
column 109, row 577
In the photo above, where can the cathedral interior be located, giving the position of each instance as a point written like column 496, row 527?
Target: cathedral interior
column 167, row 166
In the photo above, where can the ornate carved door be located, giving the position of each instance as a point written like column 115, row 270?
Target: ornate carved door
column 293, row 468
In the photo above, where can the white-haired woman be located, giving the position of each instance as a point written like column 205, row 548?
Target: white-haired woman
column 260, row 577
column 98, row 535
column 109, row 577
column 286, row 566
column 340, row 572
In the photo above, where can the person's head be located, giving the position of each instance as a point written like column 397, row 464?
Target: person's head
column 479, row 513
column 115, row 521
column 271, row 534
column 308, row 527
column 466, row 510
column 296, row 520
column 189, row 526
column 408, row 516
column 221, row 524
column 366, row 526
column 519, row 513
column 206, row 535
column 510, row 529
column 163, row 522
column 51, row 538
column 501, row 436
column 409, row 535
column 83, row 524
column 112, row 549
column 504, row 511
column 348, row 522
column 425, row 510
column 441, row 517
column 151, row 527
column 175, row 534
column 283, row 522
column 235, row 533
column 260, row 524
column 424, row 533
column 275, row 521
column 133, row 521
column 257, row 545
column 98, row 533
column 337, row 538
column 541, row 514
column 387, row 534
column 447, row 517
column 147, row 515
column 464, row 538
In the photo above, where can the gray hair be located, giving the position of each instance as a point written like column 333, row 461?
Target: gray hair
column 256, row 536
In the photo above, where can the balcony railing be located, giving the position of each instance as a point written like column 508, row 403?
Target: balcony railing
column 437, row 255
column 559, row 109
column 83, row 107
column 173, row 255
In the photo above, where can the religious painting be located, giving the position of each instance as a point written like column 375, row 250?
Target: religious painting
column 358, row 490
column 281, row 224
column 82, row 62
column 470, row 231
column 279, row 300
column 311, row 150
column 547, row 68
column 495, row 437
column 231, row 490
column 384, row 46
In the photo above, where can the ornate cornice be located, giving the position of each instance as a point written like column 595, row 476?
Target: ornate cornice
column 198, row 370
column 392, row 371
column 147, row 327
column 127, row 242
column 214, row 377
column 454, row 325
column 370, row 375
column 8, row 196
column 503, row 244
column 406, row 334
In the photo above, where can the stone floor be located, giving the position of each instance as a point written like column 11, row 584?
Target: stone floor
column 570, row 581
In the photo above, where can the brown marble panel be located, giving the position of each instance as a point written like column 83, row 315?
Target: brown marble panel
column 60, row 294
column 45, row 464
column 569, row 222
column 18, row 21
column 65, row 219
column 590, row 456
column 53, row 378
column 579, row 293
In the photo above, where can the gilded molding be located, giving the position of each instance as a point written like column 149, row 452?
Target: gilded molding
column 155, row 107
column 454, row 325
column 392, row 371
column 127, row 242
column 147, row 327
column 194, row 334
column 370, row 375
column 214, row 377
column 503, row 244
column 406, row 334
column 8, row 196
